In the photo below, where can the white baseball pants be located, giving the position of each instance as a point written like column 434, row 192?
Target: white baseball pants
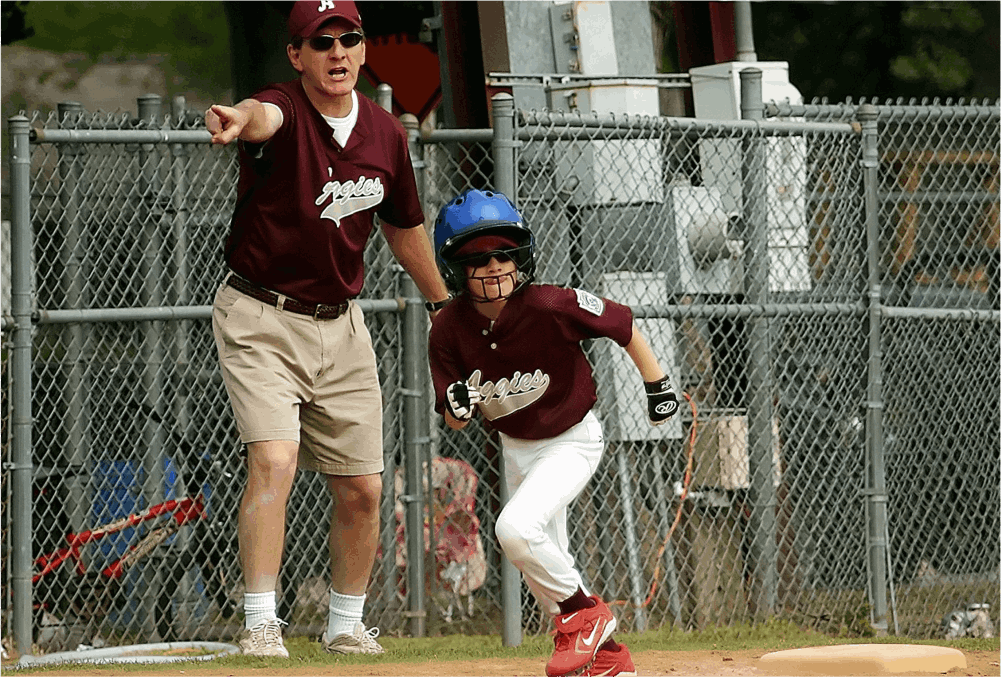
column 544, row 477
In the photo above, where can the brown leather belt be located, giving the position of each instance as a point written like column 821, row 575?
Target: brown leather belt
column 316, row 311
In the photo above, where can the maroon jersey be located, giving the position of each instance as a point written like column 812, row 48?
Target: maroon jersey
column 305, row 206
column 528, row 365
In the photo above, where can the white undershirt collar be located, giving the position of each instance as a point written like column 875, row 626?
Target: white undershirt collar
column 343, row 126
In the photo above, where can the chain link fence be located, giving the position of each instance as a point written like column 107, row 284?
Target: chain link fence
column 821, row 282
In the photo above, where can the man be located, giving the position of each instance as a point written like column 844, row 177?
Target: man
column 318, row 163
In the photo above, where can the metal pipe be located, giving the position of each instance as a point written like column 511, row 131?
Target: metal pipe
column 384, row 97
column 688, row 126
column 388, row 513
column 181, row 350
column 610, row 125
column 503, row 149
column 73, row 254
column 744, row 37
column 150, row 213
column 876, row 491
column 637, row 593
column 890, row 112
column 662, row 496
column 165, row 313
column 444, row 136
column 762, row 492
column 22, row 284
column 120, row 136
column 671, row 311
column 416, row 417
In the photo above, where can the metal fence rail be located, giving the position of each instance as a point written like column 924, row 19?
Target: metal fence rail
column 821, row 280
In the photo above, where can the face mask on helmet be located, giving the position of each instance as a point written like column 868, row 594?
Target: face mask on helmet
column 471, row 228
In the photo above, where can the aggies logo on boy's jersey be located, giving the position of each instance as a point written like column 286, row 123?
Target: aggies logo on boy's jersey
column 505, row 396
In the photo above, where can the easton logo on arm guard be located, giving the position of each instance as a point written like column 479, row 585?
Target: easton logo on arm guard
column 349, row 197
column 589, row 302
column 505, row 396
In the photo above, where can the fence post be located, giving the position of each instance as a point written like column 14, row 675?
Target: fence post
column 22, row 285
column 876, row 491
column 150, row 212
column 417, row 434
column 74, row 255
column 503, row 149
column 181, row 293
column 762, row 491
column 387, row 505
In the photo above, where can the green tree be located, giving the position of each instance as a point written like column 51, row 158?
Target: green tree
column 191, row 37
column 14, row 25
column 941, row 33
column 883, row 49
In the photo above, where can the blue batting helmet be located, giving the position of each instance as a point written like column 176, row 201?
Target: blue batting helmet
column 471, row 215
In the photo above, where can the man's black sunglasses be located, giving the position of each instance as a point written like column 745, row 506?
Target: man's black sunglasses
column 323, row 43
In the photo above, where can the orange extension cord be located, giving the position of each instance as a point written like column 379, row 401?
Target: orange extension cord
column 686, row 480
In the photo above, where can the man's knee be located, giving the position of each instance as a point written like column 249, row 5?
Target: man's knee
column 277, row 458
column 357, row 494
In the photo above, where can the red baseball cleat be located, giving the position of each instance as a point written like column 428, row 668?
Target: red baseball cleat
column 579, row 635
column 609, row 663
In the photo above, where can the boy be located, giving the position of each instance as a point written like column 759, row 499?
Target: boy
column 513, row 350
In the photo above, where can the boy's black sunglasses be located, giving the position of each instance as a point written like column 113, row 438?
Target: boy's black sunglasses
column 323, row 43
column 479, row 260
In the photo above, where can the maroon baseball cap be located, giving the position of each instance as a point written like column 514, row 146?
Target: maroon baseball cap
column 309, row 15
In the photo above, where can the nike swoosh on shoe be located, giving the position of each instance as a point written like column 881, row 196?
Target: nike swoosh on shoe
column 588, row 642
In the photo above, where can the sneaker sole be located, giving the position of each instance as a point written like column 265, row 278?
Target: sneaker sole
column 284, row 655
column 350, row 651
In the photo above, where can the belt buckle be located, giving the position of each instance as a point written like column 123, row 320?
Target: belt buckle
column 337, row 310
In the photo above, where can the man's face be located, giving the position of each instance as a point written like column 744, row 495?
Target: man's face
column 334, row 72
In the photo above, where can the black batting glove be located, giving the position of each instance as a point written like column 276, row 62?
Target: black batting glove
column 662, row 404
column 461, row 400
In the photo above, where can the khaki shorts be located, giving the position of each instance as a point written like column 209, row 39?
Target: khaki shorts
column 290, row 377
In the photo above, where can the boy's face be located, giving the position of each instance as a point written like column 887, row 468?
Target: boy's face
column 492, row 279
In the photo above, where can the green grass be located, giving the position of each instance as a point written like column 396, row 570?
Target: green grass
column 770, row 636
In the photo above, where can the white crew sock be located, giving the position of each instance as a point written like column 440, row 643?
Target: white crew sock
column 258, row 607
column 343, row 613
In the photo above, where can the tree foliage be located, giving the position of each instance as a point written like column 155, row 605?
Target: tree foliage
column 845, row 50
column 14, row 26
column 835, row 49
column 883, row 49
column 191, row 37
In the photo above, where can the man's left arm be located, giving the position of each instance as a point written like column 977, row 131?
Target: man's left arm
column 413, row 250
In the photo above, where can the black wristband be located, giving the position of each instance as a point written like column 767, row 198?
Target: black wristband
column 433, row 306
column 660, row 386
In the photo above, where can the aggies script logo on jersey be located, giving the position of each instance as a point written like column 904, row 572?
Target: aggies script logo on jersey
column 349, row 197
column 505, row 396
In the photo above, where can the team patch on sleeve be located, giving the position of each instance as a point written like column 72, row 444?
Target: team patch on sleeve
column 590, row 302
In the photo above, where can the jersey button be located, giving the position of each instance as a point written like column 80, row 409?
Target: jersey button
column 494, row 345
column 485, row 333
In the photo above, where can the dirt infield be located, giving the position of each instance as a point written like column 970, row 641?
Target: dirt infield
column 649, row 663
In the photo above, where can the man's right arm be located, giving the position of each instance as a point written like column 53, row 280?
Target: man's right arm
column 249, row 120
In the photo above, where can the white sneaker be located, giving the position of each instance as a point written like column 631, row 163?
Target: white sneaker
column 360, row 641
column 264, row 640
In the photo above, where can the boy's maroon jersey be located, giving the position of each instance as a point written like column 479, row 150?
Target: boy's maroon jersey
column 528, row 365
column 302, row 232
